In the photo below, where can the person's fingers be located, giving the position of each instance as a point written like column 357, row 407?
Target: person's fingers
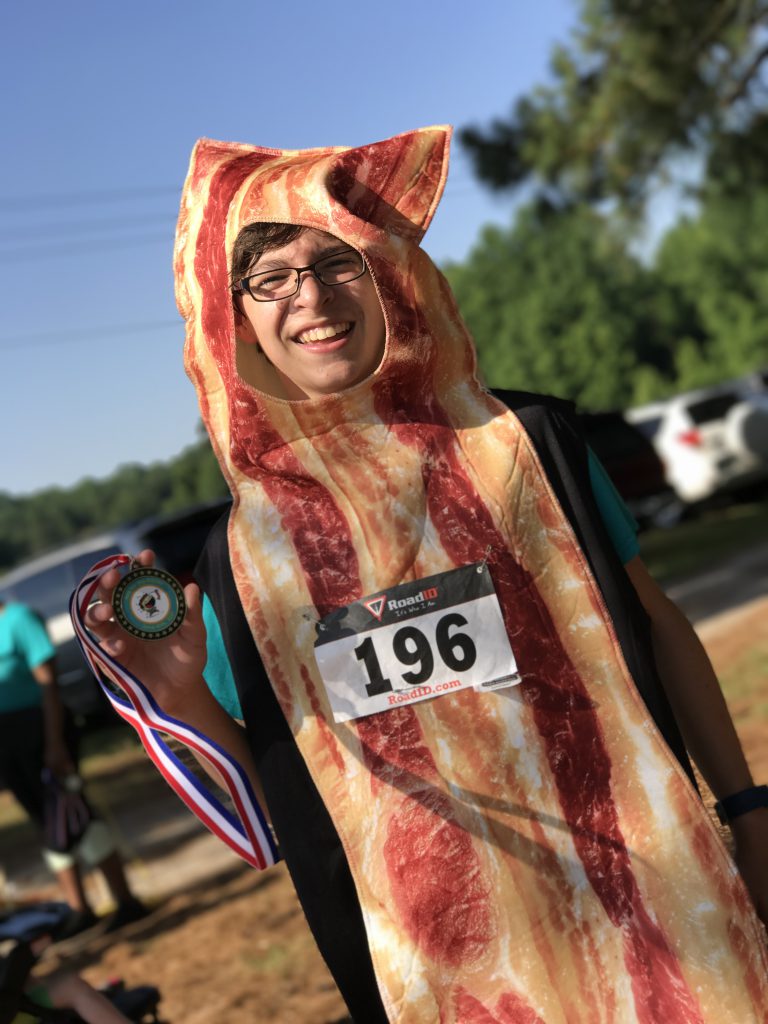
column 116, row 644
column 98, row 621
column 107, row 584
column 98, row 614
column 112, row 577
column 193, row 601
column 112, row 639
column 40, row 944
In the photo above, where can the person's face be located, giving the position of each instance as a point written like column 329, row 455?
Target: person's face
column 323, row 339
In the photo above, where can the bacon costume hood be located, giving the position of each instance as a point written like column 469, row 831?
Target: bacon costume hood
column 534, row 854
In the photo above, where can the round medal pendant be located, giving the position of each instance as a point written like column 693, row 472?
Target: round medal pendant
column 149, row 603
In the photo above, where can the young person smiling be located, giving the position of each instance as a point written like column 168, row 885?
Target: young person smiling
column 319, row 337
column 340, row 391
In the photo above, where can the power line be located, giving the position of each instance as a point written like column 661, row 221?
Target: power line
column 456, row 188
column 38, row 252
column 86, row 333
column 18, row 233
column 19, row 204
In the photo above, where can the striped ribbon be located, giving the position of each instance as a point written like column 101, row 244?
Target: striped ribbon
column 250, row 836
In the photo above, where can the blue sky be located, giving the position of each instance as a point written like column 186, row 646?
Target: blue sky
column 102, row 103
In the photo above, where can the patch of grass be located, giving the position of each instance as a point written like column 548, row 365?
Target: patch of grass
column 14, row 823
column 745, row 684
column 695, row 545
column 273, row 960
column 108, row 748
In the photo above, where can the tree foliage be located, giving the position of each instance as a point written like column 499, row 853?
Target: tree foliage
column 557, row 304
column 54, row 516
column 718, row 264
column 642, row 90
column 640, row 83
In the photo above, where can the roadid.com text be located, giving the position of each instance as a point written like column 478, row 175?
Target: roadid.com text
column 422, row 691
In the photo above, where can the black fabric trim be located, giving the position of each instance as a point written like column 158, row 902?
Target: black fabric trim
column 308, row 839
column 553, row 427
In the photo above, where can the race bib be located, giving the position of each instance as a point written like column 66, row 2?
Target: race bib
column 414, row 642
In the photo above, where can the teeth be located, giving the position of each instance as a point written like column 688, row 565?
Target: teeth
column 321, row 333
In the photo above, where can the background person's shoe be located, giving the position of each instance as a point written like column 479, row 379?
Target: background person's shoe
column 126, row 913
column 74, row 923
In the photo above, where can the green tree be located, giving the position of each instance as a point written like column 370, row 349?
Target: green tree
column 556, row 303
column 30, row 524
column 640, row 83
column 718, row 264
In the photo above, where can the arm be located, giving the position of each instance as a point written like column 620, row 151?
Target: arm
column 172, row 669
column 702, row 715
column 199, row 708
column 57, row 757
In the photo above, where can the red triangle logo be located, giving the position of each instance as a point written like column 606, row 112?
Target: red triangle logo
column 376, row 606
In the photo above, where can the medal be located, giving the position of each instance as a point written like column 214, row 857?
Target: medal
column 243, row 827
column 149, row 603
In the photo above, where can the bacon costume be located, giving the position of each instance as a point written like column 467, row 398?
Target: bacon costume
column 534, row 855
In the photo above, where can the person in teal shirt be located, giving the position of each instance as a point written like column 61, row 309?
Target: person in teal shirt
column 36, row 734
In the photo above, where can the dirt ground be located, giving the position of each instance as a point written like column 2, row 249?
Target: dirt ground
column 232, row 945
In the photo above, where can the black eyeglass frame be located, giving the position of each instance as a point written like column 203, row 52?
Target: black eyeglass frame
column 243, row 285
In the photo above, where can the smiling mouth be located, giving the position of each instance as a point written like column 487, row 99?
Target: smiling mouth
column 329, row 333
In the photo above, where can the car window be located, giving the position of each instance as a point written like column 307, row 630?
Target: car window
column 48, row 591
column 714, row 408
column 82, row 563
column 648, row 428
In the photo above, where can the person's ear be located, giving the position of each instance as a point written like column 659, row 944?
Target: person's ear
column 243, row 326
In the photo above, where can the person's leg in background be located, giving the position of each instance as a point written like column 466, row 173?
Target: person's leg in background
column 21, row 765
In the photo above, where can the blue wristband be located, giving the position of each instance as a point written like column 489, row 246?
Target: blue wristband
column 746, row 800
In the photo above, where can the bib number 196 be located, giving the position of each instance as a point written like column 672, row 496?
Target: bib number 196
column 412, row 647
column 421, row 639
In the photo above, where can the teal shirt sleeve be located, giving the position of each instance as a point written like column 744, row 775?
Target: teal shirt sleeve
column 24, row 644
column 217, row 672
column 617, row 519
column 32, row 640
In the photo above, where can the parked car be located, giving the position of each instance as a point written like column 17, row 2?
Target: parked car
column 633, row 465
column 46, row 583
column 756, row 382
column 711, row 441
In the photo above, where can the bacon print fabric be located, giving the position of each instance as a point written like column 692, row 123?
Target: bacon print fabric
column 533, row 855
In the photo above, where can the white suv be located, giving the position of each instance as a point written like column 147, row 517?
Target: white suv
column 710, row 441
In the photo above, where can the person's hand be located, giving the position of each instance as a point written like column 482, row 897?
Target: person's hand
column 57, row 760
column 170, row 668
column 750, row 833
column 40, row 944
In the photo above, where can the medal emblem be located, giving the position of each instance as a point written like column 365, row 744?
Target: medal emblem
column 149, row 603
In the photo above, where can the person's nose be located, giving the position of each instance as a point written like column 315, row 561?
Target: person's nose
column 312, row 291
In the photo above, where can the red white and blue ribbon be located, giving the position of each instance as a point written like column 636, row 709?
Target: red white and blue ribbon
column 247, row 834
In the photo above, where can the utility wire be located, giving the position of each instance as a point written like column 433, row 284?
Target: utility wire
column 19, row 204
column 22, row 204
column 35, row 252
column 52, row 228
column 86, row 333
column 21, row 234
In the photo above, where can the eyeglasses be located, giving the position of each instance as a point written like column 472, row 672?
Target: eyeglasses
column 283, row 282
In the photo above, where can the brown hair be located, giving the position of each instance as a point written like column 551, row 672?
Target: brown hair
column 256, row 239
